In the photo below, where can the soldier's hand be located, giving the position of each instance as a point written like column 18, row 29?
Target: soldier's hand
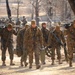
column 48, row 47
column 42, row 48
column 64, row 44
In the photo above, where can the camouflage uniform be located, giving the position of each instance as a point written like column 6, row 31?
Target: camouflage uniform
column 70, row 43
column 19, row 47
column 6, row 42
column 53, row 43
column 45, row 36
column 45, row 33
column 18, row 22
column 32, row 42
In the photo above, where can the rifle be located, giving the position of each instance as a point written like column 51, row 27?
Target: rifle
column 57, row 39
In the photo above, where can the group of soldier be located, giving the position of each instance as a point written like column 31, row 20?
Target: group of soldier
column 33, row 41
column 12, row 21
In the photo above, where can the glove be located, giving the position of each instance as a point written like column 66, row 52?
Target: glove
column 49, row 47
column 64, row 44
column 42, row 47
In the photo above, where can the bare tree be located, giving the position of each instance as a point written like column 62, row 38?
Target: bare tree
column 18, row 8
column 36, row 5
column 58, row 9
column 72, row 4
column 8, row 10
column 47, row 6
column 32, row 9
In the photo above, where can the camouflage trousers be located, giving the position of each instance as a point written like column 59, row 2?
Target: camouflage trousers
column 4, row 48
column 34, row 51
column 70, row 50
column 24, row 56
column 42, row 54
column 58, row 52
column 70, row 45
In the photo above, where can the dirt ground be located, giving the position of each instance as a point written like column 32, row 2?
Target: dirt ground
column 46, row 69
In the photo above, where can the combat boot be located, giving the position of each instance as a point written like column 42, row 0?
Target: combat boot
column 30, row 66
column 52, row 62
column 11, row 63
column 38, row 66
column 60, row 62
column 26, row 64
column 21, row 64
column 3, row 64
column 70, row 63
column 43, row 63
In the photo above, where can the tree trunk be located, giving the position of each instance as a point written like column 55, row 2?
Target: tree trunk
column 8, row 10
column 72, row 4
column 37, row 13
column 18, row 9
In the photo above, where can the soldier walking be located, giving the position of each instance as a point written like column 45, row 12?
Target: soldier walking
column 24, row 21
column 54, row 41
column 6, row 42
column 45, row 33
column 33, row 39
column 71, row 42
column 19, row 47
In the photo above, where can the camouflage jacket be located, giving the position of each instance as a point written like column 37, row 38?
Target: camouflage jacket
column 20, row 37
column 7, row 36
column 33, row 37
column 70, row 32
column 52, row 41
column 45, row 33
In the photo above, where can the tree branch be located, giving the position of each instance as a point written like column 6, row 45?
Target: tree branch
column 39, row 1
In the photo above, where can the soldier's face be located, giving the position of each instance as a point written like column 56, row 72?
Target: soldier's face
column 33, row 25
column 9, row 29
column 57, row 29
column 44, row 25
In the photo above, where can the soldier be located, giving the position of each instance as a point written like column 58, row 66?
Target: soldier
column 45, row 33
column 32, row 41
column 24, row 20
column 19, row 46
column 6, row 42
column 18, row 22
column 71, row 42
column 54, row 42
